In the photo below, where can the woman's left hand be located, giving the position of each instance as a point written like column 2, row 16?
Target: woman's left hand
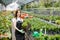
column 21, row 31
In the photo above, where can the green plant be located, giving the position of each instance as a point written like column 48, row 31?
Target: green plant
column 56, row 4
column 5, row 21
column 49, row 37
column 57, row 22
column 37, row 24
column 25, row 23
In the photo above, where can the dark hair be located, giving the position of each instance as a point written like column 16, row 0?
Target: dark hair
column 16, row 13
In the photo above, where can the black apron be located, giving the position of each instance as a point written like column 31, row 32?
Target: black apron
column 19, row 35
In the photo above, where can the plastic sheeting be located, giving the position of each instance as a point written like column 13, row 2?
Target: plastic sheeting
column 2, row 7
column 15, row 4
column 21, row 2
column 12, row 6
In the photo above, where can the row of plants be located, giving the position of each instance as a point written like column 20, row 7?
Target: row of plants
column 49, row 37
column 5, row 23
column 41, row 4
column 37, row 24
column 53, row 19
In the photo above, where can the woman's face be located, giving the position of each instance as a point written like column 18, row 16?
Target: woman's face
column 19, row 13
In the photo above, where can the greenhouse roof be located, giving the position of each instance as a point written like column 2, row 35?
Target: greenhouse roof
column 21, row 2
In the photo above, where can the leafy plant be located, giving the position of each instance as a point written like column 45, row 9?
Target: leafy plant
column 49, row 37
column 5, row 21
column 57, row 22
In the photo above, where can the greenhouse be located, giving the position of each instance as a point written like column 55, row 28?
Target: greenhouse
column 39, row 19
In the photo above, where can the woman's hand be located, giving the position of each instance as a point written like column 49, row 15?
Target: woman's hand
column 22, row 31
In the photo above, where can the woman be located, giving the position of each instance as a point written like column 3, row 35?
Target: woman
column 17, row 24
